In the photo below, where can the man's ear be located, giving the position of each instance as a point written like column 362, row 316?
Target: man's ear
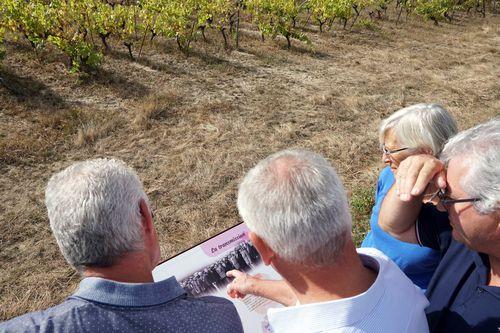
column 265, row 251
column 427, row 151
column 149, row 234
column 146, row 218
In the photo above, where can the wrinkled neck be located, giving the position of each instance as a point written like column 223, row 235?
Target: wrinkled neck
column 348, row 277
column 133, row 267
column 494, row 278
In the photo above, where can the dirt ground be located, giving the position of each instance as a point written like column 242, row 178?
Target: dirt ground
column 192, row 126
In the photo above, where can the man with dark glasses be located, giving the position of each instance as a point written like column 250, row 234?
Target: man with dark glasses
column 463, row 222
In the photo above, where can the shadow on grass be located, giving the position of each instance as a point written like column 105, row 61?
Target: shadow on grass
column 35, row 94
column 145, row 61
column 214, row 60
column 206, row 56
column 301, row 47
column 119, row 84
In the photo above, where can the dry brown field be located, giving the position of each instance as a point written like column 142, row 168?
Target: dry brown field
column 192, row 126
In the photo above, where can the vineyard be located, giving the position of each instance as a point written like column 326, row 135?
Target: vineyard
column 82, row 29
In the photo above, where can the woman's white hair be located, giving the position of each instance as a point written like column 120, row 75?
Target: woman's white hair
column 420, row 126
column 93, row 208
column 296, row 203
column 480, row 148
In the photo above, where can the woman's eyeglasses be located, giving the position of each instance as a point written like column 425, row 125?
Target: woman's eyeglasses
column 391, row 151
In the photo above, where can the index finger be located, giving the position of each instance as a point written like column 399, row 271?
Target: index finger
column 233, row 273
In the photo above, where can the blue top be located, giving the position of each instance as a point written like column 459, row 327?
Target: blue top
column 460, row 299
column 417, row 262
column 101, row 305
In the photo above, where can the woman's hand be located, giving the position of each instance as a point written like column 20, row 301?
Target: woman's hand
column 415, row 173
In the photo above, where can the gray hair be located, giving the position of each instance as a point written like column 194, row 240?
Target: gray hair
column 296, row 203
column 94, row 213
column 480, row 148
column 420, row 126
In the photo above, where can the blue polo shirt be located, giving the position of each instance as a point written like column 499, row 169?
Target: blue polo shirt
column 101, row 305
column 417, row 262
column 460, row 300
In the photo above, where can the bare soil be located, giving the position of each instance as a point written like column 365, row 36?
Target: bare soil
column 192, row 126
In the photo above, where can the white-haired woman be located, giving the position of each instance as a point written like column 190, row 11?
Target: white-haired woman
column 420, row 128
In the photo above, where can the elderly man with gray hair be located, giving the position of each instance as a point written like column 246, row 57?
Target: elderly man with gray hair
column 102, row 221
column 296, row 208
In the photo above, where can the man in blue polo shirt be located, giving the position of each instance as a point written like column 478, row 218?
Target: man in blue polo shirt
column 464, row 292
column 102, row 222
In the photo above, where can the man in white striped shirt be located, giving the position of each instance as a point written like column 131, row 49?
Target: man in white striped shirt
column 296, row 208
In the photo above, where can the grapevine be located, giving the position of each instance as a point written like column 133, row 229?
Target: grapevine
column 2, row 46
column 82, row 29
column 322, row 11
column 277, row 17
column 435, row 10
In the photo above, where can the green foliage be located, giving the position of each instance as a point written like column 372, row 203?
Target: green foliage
column 104, row 20
column 2, row 34
column 277, row 17
column 2, row 46
column 33, row 19
column 72, row 39
column 322, row 10
column 79, row 52
column 61, row 24
column 176, row 19
column 77, row 27
column 362, row 201
column 469, row 4
column 344, row 9
column 367, row 24
column 218, row 13
column 435, row 10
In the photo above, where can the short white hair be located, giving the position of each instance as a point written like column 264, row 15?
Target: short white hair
column 296, row 203
column 93, row 208
column 480, row 148
column 420, row 126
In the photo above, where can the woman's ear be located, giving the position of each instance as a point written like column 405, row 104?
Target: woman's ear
column 265, row 251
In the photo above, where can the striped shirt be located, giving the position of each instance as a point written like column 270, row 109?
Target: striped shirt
column 393, row 304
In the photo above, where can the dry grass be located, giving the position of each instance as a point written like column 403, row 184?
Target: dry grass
column 155, row 107
column 193, row 126
column 96, row 126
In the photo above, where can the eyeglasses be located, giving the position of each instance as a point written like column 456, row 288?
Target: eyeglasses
column 447, row 201
column 391, row 151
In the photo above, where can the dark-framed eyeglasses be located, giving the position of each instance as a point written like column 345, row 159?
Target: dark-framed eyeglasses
column 447, row 201
column 391, row 151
